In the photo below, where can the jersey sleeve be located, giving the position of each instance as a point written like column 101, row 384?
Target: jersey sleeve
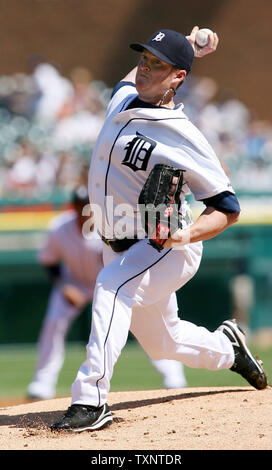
column 205, row 176
column 121, row 95
column 203, row 172
column 49, row 254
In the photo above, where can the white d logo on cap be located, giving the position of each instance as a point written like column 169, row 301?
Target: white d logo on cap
column 159, row 37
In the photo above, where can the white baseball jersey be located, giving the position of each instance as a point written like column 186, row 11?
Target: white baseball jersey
column 136, row 289
column 131, row 142
column 80, row 258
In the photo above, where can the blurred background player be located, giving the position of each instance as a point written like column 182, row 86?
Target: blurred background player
column 73, row 262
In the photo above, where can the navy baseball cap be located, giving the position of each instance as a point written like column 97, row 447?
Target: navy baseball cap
column 170, row 46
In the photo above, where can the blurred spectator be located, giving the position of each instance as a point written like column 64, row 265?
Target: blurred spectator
column 80, row 128
column 69, row 170
column 18, row 94
column 54, row 91
column 196, row 94
column 21, row 176
column 85, row 97
column 46, row 172
column 224, row 120
column 256, row 140
column 82, row 114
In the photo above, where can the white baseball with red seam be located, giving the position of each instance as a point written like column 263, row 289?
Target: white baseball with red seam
column 202, row 37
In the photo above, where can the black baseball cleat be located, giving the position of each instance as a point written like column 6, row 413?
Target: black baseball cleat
column 244, row 363
column 80, row 418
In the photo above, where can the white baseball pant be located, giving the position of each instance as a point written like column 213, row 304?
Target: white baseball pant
column 137, row 291
column 58, row 319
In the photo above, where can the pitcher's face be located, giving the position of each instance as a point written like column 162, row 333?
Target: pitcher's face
column 153, row 77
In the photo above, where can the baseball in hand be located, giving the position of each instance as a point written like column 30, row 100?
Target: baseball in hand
column 202, row 37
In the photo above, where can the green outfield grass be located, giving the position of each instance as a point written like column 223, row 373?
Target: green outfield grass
column 133, row 371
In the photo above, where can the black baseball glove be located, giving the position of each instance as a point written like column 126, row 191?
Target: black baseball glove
column 159, row 203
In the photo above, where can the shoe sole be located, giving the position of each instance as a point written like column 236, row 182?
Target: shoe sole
column 238, row 335
column 101, row 423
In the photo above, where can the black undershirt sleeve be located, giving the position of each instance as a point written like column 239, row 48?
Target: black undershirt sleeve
column 224, row 202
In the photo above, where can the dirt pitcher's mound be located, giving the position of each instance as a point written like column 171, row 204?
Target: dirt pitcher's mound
column 195, row 418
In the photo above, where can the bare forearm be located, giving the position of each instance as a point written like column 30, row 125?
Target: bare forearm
column 208, row 225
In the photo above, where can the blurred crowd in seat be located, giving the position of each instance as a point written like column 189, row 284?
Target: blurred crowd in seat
column 48, row 127
column 49, row 124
